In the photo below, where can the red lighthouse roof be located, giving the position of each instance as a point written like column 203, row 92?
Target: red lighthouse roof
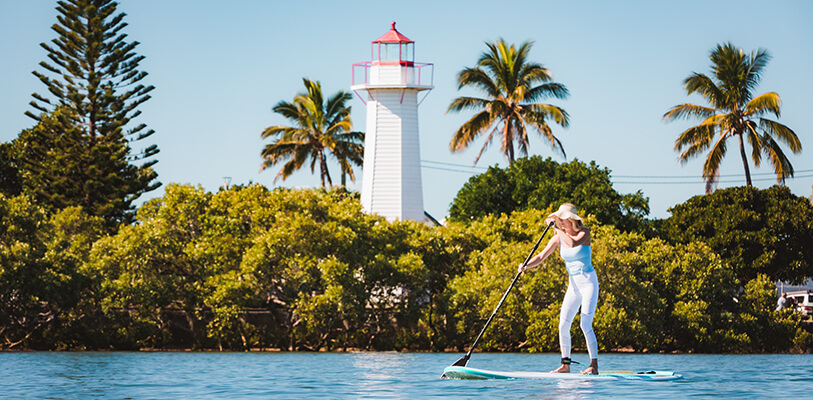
column 393, row 36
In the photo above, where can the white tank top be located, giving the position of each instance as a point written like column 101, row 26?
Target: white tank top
column 577, row 259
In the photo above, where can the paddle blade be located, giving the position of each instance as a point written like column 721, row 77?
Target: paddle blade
column 462, row 361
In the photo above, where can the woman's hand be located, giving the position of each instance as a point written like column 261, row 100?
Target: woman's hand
column 521, row 268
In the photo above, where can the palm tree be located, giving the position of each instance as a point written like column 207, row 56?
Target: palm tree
column 319, row 128
column 508, row 78
column 734, row 112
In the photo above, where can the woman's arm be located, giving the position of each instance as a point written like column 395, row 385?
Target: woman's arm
column 552, row 245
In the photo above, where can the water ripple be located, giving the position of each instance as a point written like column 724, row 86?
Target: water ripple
column 124, row 375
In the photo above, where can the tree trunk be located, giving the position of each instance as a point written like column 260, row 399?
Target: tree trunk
column 744, row 161
column 325, row 173
column 508, row 142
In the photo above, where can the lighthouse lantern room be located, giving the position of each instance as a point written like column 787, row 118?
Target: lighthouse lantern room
column 389, row 85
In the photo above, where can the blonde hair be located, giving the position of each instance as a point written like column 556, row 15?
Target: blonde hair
column 578, row 225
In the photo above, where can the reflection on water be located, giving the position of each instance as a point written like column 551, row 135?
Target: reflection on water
column 376, row 373
column 381, row 376
column 574, row 389
column 381, row 364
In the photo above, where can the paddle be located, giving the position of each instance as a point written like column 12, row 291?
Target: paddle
column 465, row 359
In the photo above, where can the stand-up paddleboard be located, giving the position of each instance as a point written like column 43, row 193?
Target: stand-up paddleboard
column 456, row 372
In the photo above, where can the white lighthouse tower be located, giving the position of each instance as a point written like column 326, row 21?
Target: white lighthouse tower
column 391, row 184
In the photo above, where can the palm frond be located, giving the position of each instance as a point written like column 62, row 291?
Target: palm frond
column 531, row 73
column 314, row 91
column 730, row 66
column 695, row 139
column 300, row 135
column 337, row 105
column 703, row 85
column 479, row 79
column 781, row 165
column 273, row 131
column 764, row 103
column 349, row 152
column 687, row 111
column 281, row 132
column 287, row 110
column 711, row 166
column 275, row 153
column 311, row 113
column 539, row 113
column 755, row 141
column 781, row 132
column 338, row 125
column 499, row 109
column 537, row 122
column 470, row 130
column 353, row 137
column 293, row 165
column 553, row 89
column 347, row 169
column 498, row 60
column 487, row 143
column 464, row 103
column 756, row 62
column 314, row 156
column 504, row 62
column 285, row 171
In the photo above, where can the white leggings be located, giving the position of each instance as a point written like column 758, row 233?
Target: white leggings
column 582, row 291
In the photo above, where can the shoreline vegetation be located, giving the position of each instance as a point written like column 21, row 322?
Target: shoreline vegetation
column 306, row 270
column 626, row 350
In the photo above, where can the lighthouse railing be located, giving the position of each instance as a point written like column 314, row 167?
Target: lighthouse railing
column 413, row 73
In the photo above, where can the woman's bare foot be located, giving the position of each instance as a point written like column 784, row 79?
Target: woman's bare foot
column 592, row 369
column 563, row 369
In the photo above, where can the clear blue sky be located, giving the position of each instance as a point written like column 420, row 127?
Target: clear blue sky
column 220, row 66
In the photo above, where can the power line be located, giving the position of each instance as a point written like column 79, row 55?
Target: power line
column 694, row 176
column 702, row 182
column 449, row 169
column 468, row 170
column 454, row 165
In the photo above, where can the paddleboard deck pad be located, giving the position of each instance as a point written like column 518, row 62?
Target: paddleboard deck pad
column 455, row 372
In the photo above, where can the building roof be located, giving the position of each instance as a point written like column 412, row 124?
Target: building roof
column 787, row 287
column 393, row 36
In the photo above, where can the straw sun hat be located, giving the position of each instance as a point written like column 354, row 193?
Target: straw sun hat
column 567, row 211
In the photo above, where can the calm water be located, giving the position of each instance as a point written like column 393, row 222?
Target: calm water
column 384, row 375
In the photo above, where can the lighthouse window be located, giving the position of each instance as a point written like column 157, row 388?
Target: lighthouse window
column 389, row 52
column 407, row 52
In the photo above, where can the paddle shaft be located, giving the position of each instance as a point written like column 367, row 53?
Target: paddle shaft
column 488, row 322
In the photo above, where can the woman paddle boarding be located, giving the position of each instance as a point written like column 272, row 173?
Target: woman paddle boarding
column 573, row 241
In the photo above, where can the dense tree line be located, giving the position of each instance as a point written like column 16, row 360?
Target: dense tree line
column 306, row 269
